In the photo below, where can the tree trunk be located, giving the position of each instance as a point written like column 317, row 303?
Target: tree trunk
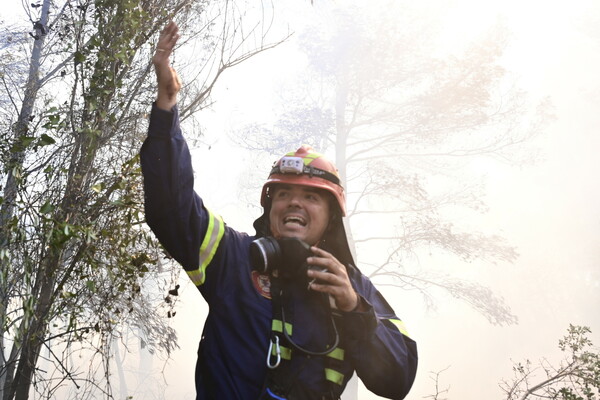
column 34, row 335
column 10, row 188
column 341, row 99
column 341, row 143
column 8, row 369
column 120, row 371
column 20, row 128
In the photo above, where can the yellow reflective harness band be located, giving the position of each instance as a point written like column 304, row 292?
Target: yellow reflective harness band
column 286, row 352
column 400, row 325
column 338, row 354
column 334, row 376
column 276, row 327
column 331, row 374
column 212, row 238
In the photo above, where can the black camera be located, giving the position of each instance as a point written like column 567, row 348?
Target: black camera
column 287, row 256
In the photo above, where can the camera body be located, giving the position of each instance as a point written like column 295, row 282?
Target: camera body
column 285, row 257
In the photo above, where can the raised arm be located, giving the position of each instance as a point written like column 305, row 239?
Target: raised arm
column 173, row 211
column 168, row 80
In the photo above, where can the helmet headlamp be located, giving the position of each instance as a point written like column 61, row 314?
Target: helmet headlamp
column 291, row 165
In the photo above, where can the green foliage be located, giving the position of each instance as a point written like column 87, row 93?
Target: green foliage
column 74, row 248
column 576, row 377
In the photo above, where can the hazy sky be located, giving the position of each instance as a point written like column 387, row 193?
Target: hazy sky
column 548, row 210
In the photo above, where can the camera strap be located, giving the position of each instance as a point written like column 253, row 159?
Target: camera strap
column 276, row 350
column 281, row 376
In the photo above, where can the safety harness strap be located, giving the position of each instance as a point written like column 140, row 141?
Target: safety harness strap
column 277, row 326
column 280, row 378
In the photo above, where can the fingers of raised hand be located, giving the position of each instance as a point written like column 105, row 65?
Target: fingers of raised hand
column 167, row 40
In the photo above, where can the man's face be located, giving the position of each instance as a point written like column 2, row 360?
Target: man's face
column 299, row 211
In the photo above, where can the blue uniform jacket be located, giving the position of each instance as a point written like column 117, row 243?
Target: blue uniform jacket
column 235, row 341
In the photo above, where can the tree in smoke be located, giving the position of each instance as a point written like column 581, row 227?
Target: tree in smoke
column 439, row 392
column 404, row 119
column 576, row 377
column 74, row 252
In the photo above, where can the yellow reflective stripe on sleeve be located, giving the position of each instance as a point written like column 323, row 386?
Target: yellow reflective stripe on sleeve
column 400, row 325
column 208, row 248
column 338, row 354
column 276, row 326
column 334, row 376
column 286, row 352
column 196, row 276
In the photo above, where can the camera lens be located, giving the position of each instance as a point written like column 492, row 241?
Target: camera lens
column 287, row 256
column 265, row 254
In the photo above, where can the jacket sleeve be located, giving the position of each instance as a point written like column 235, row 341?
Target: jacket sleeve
column 174, row 212
column 384, row 356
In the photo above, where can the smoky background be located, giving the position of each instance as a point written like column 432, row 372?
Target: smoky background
column 540, row 198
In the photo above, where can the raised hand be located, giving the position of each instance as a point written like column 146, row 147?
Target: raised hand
column 169, row 83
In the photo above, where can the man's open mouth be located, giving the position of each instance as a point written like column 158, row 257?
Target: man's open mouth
column 294, row 220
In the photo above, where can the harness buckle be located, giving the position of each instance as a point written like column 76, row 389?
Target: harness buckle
column 277, row 353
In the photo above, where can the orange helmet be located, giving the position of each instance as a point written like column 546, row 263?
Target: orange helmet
column 308, row 168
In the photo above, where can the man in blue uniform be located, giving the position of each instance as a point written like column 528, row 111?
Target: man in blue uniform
column 275, row 329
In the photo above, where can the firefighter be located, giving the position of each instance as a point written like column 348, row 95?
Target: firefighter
column 291, row 317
